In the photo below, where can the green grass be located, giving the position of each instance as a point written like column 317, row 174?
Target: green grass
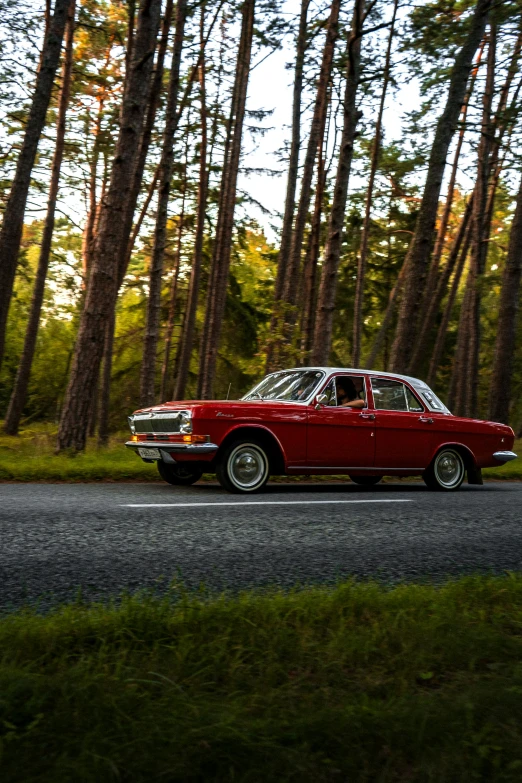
column 30, row 456
column 356, row 683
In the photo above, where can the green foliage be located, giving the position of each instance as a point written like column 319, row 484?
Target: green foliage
column 358, row 683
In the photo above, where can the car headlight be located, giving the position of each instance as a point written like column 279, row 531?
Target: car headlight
column 131, row 424
column 185, row 422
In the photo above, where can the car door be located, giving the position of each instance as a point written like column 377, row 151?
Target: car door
column 403, row 434
column 339, row 437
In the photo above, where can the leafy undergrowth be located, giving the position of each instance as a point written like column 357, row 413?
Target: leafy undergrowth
column 356, row 683
column 30, row 456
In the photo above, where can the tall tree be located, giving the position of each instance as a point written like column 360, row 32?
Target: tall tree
column 502, row 372
column 365, row 235
column 332, row 255
column 420, row 248
column 467, row 381
column 216, row 295
column 102, row 289
column 189, row 322
column 290, row 272
column 12, row 225
column 19, row 393
column 148, row 366
column 293, row 163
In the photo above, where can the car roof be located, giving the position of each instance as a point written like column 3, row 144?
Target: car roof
column 413, row 381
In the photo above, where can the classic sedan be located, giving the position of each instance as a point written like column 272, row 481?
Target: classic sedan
column 320, row 420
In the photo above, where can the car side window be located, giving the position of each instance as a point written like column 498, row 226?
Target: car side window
column 331, row 394
column 391, row 395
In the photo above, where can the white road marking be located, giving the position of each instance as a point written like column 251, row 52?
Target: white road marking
column 260, row 503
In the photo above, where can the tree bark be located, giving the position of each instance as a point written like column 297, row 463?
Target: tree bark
column 19, row 393
column 501, row 377
column 420, row 248
column 150, row 344
column 363, row 252
column 102, row 289
column 12, row 225
column 293, row 166
column 328, row 287
column 443, row 327
column 216, row 296
column 466, row 393
column 187, row 338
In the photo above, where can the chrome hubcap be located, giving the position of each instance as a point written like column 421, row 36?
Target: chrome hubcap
column 247, row 466
column 449, row 468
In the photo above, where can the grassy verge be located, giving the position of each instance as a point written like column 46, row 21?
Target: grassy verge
column 30, row 457
column 356, row 683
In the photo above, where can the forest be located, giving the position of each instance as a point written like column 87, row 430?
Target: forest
column 138, row 262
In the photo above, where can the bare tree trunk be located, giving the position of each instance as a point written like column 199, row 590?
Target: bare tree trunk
column 19, row 393
column 420, row 247
column 148, row 366
column 466, row 394
column 293, row 165
column 328, row 287
column 428, row 321
column 102, row 290
column 187, row 337
column 174, row 283
column 12, row 225
column 443, row 328
column 105, row 386
column 363, row 252
column 216, row 297
column 284, row 308
column 501, row 376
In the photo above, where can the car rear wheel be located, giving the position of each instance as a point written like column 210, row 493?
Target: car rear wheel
column 180, row 474
column 446, row 472
column 243, row 467
column 366, row 481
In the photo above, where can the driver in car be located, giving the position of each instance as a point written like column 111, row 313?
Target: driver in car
column 347, row 394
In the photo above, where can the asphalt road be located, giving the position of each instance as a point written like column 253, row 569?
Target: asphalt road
column 108, row 538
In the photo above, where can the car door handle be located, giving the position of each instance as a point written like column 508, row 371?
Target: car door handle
column 369, row 416
column 425, row 420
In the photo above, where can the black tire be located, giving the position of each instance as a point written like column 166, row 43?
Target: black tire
column 446, row 472
column 366, row 481
column 180, row 474
column 243, row 467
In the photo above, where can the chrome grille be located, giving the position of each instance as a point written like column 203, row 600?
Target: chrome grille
column 158, row 423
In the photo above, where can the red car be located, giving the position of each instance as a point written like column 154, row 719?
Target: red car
column 320, row 420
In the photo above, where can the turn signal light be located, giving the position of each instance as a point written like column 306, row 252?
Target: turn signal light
column 195, row 438
column 134, row 438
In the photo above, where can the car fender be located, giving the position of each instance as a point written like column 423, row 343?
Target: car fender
column 249, row 426
column 469, row 457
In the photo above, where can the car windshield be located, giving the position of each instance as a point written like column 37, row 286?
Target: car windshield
column 295, row 385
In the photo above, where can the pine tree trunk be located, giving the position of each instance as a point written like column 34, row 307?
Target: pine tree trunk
column 363, row 252
column 467, row 381
column 428, row 322
column 19, row 393
column 501, row 376
column 293, row 168
column 420, row 247
column 187, row 337
column 443, row 327
column 102, row 290
column 12, row 225
column 105, row 387
column 328, row 287
column 284, row 309
column 216, row 297
column 150, row 343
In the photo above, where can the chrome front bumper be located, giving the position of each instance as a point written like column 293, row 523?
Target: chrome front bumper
column 168, row 449
column 504, row 456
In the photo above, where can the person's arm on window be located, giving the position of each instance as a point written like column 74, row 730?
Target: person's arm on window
column 353, row 404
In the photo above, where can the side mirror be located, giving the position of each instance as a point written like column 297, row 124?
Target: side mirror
column 321, row 399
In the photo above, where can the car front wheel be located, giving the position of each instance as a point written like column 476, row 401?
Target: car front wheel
column 366, row 481
column 179, row 474
column 243, row 467
column 446, row 472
